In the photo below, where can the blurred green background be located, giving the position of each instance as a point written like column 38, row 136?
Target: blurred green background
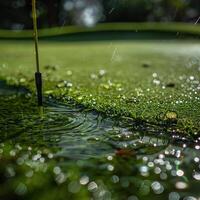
column 16, row 14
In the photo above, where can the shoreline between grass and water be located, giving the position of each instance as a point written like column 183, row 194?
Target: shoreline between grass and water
column 166, row 95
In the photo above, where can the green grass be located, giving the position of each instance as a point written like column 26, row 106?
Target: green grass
column 184, row 28
column 127, row 88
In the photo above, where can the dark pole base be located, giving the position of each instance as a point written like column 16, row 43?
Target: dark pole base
column 38, row 82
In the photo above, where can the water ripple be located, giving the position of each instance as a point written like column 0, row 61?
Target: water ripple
column 77, row 132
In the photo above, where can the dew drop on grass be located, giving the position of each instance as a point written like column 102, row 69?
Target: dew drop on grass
column 60, row 178
column 69, row 73
column 110, row 157
column 181, row 185
column 102, row 72
column 93, row 76
column 22, row 80
column 48, row 92
column 171, row 115
column 110, row 167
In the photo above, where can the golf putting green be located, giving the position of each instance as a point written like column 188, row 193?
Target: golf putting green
column 155, row 80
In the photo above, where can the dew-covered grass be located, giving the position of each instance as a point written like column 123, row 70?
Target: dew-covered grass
column 151, row 80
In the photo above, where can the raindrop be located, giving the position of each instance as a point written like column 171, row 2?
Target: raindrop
column 144, row 170
column 197, row 147
column 181, row 185
column 69, row 73
column 150, row 164
column 180, row 172
column 110, row 158
column 115, row 179
column 157, row 170
column 174, row 196
column 154, row 75
column 50, row 155
column 30, row 148
column 124, row 182
column 93, row 76
column 84, row 180
column 157, row 187
column 196, row 175
column 102, row 72
column 92, row 186
column 110, row 167
column 57, row 170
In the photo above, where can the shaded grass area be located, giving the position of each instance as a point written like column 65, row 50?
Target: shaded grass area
column 148, row 74
column 184, row 29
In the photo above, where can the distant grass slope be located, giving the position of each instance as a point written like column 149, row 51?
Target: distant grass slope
column 183, row 28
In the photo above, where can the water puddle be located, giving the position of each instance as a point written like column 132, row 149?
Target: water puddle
column 122, row 160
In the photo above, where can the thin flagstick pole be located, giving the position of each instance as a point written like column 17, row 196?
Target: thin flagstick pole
column 35, row 34
column 38, row 75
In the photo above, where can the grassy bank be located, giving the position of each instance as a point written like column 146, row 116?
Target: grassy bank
column 177, row 28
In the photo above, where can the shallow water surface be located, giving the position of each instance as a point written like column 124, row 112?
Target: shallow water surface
column 112, row 159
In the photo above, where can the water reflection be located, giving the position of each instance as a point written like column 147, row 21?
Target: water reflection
column 108, row 158
column 79, row 134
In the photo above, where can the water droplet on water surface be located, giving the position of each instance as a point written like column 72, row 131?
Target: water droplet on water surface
column 21, row 189
column 157, row 187
column 84, row 180
column 174, row 196
column 83, row 136
column 92, row 186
